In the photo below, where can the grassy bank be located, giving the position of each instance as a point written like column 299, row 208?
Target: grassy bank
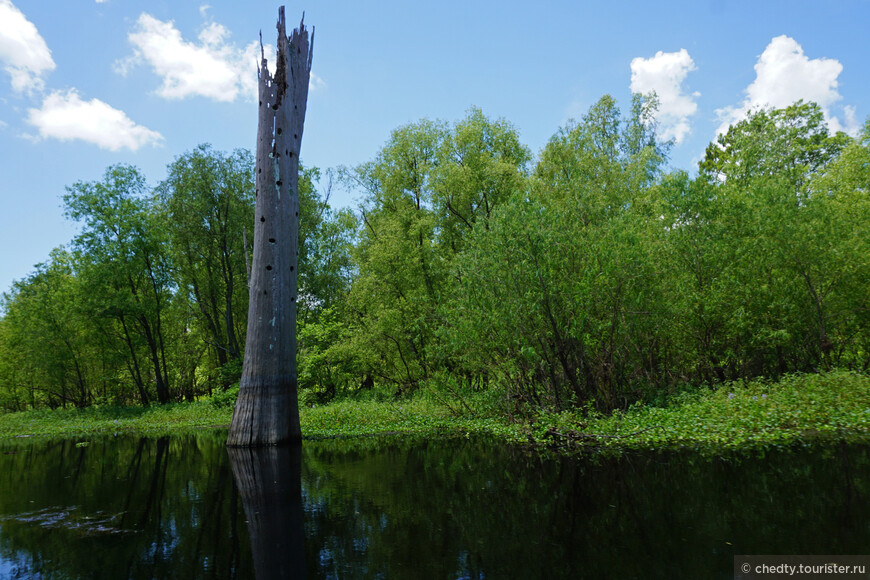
column 799, row 408
column 736, row 415
column 154, row 420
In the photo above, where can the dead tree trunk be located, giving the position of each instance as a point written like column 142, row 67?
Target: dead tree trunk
column 267, row 411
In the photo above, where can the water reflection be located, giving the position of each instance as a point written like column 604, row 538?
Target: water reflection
column 270, row 482
column 187, row 507
column 120, row 508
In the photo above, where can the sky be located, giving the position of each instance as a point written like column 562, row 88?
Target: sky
column 86, row 84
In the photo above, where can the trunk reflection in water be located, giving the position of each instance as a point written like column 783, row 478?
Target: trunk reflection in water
column 269, row 480
column 187, row 507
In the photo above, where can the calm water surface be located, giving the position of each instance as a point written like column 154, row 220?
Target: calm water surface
column 183, row 507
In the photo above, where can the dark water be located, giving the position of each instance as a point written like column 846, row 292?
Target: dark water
column 181, row 507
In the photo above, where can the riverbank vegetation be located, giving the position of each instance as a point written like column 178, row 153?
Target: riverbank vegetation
column 739, row 415
column 587, row 289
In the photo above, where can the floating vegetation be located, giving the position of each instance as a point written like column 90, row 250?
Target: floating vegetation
column 74, row 519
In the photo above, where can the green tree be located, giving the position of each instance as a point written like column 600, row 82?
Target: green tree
column 398, row 278
column 787, row 244
column 559, row 297
column 700, row 263
column 125, row 268
column 792, row 143
column 327, row 237
column 45, row 346
column 481, row 164
column 208, row 197
column 841, row 257
column 429, row 187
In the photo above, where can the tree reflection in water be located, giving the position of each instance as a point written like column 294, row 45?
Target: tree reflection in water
column 121, row 507
column 394, row 507
column 269, row 480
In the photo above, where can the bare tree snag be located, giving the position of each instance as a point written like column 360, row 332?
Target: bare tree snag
column 267, row 411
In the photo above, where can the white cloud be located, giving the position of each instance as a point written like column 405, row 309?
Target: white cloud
column 783, row 75
column 315, row 83
column 23, row 52
column 65, row 116
column 210, row 67
column 664, row 73
column 851, row 124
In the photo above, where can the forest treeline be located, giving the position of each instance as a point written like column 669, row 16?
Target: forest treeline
column 592, row 274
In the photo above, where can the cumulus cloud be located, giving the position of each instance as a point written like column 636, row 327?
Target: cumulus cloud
column 23, row 52
column 65, row 116
column 210, row 67
column 783, row 75
column 665, row 73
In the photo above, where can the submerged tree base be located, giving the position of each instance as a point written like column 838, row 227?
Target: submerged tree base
column 266, row 413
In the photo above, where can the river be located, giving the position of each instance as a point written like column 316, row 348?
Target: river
column 184, row 507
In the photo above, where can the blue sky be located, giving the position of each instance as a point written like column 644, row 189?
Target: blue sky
column 85, row 84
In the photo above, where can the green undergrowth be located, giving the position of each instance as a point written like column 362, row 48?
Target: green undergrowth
column 416, row 416
column 155, row 419
column 798, row 408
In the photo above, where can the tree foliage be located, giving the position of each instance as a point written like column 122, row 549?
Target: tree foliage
column 559, row 298
column 590, row 275
column 429, row 188
column 149, row 304
column 208, row 201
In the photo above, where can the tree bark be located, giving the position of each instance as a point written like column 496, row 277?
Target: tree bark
column 267, row 411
